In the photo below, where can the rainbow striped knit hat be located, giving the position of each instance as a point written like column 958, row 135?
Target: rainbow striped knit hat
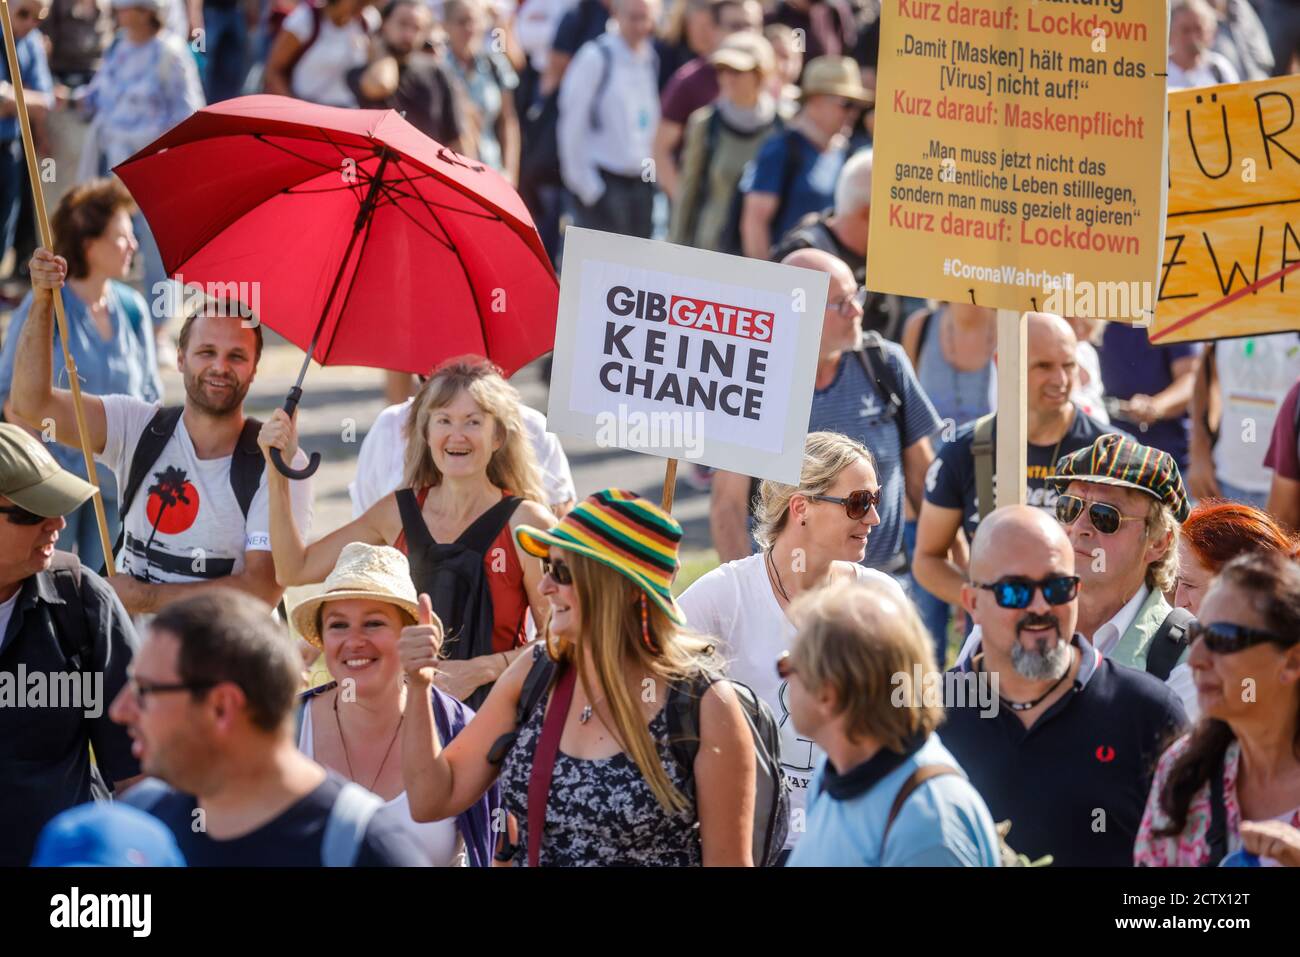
column 624, row 531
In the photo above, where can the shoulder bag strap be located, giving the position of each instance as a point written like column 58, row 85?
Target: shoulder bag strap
column 1168, row 643
column 914, row 781
column 247, row 465
column 982, row 448
column 1217, row 836
column 152, row 441
column 483, row 531
column 548, row 746
column 410, row 507
column 345, row 828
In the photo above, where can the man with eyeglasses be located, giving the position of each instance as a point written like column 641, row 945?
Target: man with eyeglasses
column 65, row 644
column 208, row 707
column 1069, row 755
column 864, row 388
column 1121, row 506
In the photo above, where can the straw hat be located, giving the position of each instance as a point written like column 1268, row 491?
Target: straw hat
column 745, row 51
column 362, row 571
column 624, row 531
column 834, row 76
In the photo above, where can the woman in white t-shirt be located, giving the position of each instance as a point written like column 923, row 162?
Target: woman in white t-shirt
column 317, row 46
column 808, row 536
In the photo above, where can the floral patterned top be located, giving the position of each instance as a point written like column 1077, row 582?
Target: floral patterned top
column 602, row 813
column 1191, row 848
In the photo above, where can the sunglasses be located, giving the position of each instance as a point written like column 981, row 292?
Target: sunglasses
column 856, row 504
column 20, row 516
column 1225, row 638
column 1105, row 518
column 784, row 666
column 560, row 573
column 1017, row 593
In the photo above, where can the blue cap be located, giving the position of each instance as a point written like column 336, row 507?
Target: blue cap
column 106, row 835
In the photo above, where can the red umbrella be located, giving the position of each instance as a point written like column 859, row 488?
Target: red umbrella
column 366, row 242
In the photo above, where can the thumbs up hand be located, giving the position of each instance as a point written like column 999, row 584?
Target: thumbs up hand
column 420, row 645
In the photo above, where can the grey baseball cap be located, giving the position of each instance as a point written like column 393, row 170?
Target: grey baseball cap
column 31, row 479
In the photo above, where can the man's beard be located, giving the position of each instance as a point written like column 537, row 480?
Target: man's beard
column 234, row 400
column 1037, row 664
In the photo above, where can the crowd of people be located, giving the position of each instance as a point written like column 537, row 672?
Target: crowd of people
column 1118, row 661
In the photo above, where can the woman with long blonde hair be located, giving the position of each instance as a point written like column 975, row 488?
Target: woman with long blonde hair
column 470, row 482
column 615, row 791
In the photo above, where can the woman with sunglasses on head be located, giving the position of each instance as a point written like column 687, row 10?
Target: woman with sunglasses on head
column 589, row 772
column 1237, row 774
column 808, row 535
column 470, row 479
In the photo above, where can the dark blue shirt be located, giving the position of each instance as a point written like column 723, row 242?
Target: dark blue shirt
column 46, row 737
column 1131, row 365
column 1075, row 783
column 807, row 186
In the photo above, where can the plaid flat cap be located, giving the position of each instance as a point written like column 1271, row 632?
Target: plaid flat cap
column 1118, row 460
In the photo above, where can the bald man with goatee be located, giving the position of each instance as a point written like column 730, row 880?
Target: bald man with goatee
column 1069, row 753
column 1055, row 427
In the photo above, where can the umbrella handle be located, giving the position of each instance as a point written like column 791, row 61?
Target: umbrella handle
column 283, row 467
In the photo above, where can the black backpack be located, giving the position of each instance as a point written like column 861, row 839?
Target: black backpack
column 246, row 464
column 771, row 794
column 1168, row 643
column 452, row 576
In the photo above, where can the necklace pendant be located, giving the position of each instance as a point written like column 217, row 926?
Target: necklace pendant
column 585, row 716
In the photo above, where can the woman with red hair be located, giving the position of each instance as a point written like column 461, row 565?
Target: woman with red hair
column 1216, row 532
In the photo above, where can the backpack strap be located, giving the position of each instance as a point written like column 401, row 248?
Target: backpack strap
column 877, row 368
column 247, row 465
column 1217, row 836
column 345, row 828
column 146, row 795
column 548, row 746
column 683, row 714
column 927, row 318
column 150, row 445
column 536, row 683
column 76, row 641
column 484, row 530
column 914, row 781
column 410, row 506
column 304, row 702
column 606, row 69
column 982, row 449
column 1168, row 643
column 789, row 170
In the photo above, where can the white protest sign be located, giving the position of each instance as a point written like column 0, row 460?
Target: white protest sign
column 686, row 353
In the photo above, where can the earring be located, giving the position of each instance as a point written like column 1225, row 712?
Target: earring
column 649, row 642
column 803, row 521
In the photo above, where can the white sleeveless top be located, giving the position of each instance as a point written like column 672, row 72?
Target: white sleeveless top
column 439, row 841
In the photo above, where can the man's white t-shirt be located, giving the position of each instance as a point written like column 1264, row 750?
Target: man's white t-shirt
column 198, row 535
column 1213, row 70
column 1255, row 374
column 383, row 451
column 7, row 612
column 320, row 76
column 735, row 604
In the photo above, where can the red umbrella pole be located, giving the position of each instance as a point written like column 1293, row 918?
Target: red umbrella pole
column 295, row 394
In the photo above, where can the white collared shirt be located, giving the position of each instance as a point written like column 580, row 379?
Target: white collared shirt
column 628, row 112
column 1107, row 636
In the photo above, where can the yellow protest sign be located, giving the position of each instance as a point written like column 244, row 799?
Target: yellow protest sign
column 1232, row 239
column 1018, row 151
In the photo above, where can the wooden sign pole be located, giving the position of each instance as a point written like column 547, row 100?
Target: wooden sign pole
column 670, row 484
column 1012, row 460
column 43, row 222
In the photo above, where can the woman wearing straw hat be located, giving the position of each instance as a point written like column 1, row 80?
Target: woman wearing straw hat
column 352, row 724
column 593, row 764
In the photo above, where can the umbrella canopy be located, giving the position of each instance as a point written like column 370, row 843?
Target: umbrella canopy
column 428, row 254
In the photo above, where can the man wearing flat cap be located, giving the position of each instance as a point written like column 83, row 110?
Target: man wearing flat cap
column 65, row 644
column 1121, row 504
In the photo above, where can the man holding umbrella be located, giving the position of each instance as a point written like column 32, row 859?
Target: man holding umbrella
column 184, row 472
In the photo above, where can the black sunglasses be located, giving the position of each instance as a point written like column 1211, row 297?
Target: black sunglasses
column 1225, row 638
column 856, row 504
column 784, row 666
column 1017, row 593
column 1105, row 518
column 558, row 571
column 20, row 516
